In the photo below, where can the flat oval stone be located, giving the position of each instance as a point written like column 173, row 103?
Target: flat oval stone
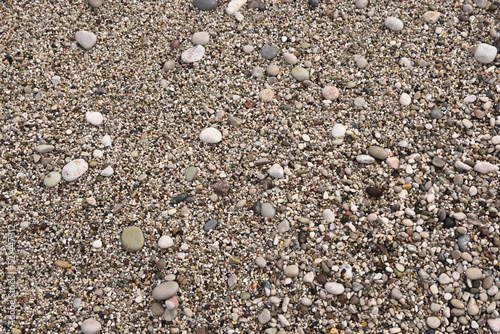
column 95, row 3
column 132, row 239
column 193, row 54
column 292, row 271
column 200, row 38
column 190, row 173
column 378, row 152
column 269, row 52
column 63, row 264
column 290, row 58
column 157, row 309
column 485, row 53
column 235, row 5
column 473, row 273
column 90, row 326
column 330, row 93
column 165, row 242
column 431, row 16
column 338, row 130
column 334, row 288
column 365, row 159
column 74, row 169
column 205, row 5
column 211, row 224
column 494, row 324
column 52, row 179
column 433, row 322
column 276, row 171
column 210, row 135
column 300, row 73
column 165, row 290
column 86, row 39
column 394, row 23
column 44, row 148
column 77, row 302
column 485, row 167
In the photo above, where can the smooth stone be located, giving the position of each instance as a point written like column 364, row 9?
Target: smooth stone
column 193, row 54
column 306, row 301
column 392, row 162
column 338, row 130
column 284, row 226
column 200, row 38
column 473, row 273
column 396, row 293
column 359, row 102
column 261, row 262
column 437, row 113
column 74, row 169
column 108, row 171
column 205, row 5
column 94, row 117
column 360, row 4
column 52, row 179
column 276, row 171
column 44, row 148
column 481, row 3
column 257, row 72
column 431, row 16
column 463, row 242
column 290, row 58
column 172, row 303
column 374, row 191
column 165, row 290
column 264, row 317
column 190, row 173
column 378, row 152
column 269, row 52
column 485, row 167
column 248, row 49
column 132, row 239
column 328, row 216
column 494, row 324
column 266, row 95
column 210, row 135
column 95, row 3
column 438, row 162
column 86, row 39
column 394, row 23
column 165, row 242
column 405, row 99
column 485, row 53
column 365, row 159
column 444, row 279
column 169, row 65
column 211, row 224
column 157, row 309
column 63, row 264
column 361, row 62
column 90, row 326
column 330, row 93
column 495, row 140
column 170, row 315
column 433, row 322
column 97, row 244
column 300, row 73
column 273, row 70
column 267, row 210
column 235, row 5
column 292, row 271
column 334, row 288
column 77, row 302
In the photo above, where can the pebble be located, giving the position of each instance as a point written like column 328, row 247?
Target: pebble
column 338, row 130
column 494, row 324
column 248, row 49
column 106, row 141
column 267, row 210
column 77, row 302
column 273, row 70
column 261, row 262
column 393, row 162
column 290, row 58
column 165, row 290
column 444, row 279
column 374, row 191
column 405, row 99
column 193, row 54
column 211, row 224
column 378, row 152
column 205, row 5
column 433, row 322
column 157, row 309
column 359, row 102
column 74, row 169
column 264, row 317
column 330, row 93
column 284, row 226
column 365, row 159
column 437, row 113
column 485, row 53
column 234, row 6
column 97, row 244
column 473, row 273
column 108, row 171
column 431, row 16
column 200, row 38
column 266, row 95
column 394, row 23
column 269, row 52
column 276, row 171
column 90, row 326
column 95, row 3
column 171, row 303
column 86, row 39
column 52, row 179
column 396, row 293
column 328, row 216
column 210, row 135
column 485, row 167
column 165, row 242
column 190, row 173
column 94, row 117
column 292, row 271
column 334, row 288
column 300, row 73
column 132, row 239
column 361, row 62
column 44, row 148
column 361, row 4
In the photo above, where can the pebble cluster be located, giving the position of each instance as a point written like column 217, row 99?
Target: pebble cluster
column 250, row 166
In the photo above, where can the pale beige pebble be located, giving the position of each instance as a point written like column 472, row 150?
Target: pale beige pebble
column 338, row 130
column 74, row 169
column 292, row 271
column 86, row 39
column 273, row 70
column 165, row 290
column 431, row 16
column 485, row 167
column 290, row 58
column 361, row 62
column 334, row 288
column 472, row 307
column 330, row 93
column 200, row 38
column 405, row 99
column 90, row 326
column 169, row 65
column 266, row 95
column 394, row 23
column 94, row 117
column 494, row 324
column 433, row 322
column 393, row 162
column 495, row 140
column 473, row 273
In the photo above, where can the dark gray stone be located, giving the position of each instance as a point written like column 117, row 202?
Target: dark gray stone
column 269, row 52
column 205, row 4
column 211, row 224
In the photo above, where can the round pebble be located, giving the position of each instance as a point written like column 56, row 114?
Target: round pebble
column 132, row 239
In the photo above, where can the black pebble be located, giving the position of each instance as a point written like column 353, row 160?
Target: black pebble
column 449, row 222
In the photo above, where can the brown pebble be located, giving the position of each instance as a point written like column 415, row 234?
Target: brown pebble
column 374, row 191
column 175, row 44
column 320, row 278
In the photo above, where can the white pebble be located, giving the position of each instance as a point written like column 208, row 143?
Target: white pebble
column 106, row 140
column 165, row 242
column 210, row 135
column 338, row 130
column 334, row 288
column 97, row 244
column 74, row 169
column 405, row 99
column 394, row 23
column 94, row 117
column 108, row 171
column 485, row 53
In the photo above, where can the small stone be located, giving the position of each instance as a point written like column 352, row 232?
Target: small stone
column 473, row 273
column 328, row 216
column 222, row 188
column 108, row 171
column 361, row 3
column 52, row 179
column 444, row 279
column 211, row 224
column 276, row 171
column 248, row 49
column 260, row 262
column 396, row 293
column 94, row 117
column 494, row 324
column 190, row 173
column 205, row 5
column 235, row 5
column 481, row 3
column 273, row 70
column 495, row 140
column 77, row 303
column 269, row 52
column 485, row 53
column 374, row 192
column 74, row 169
column 359, row 102
column 292, row 271
column 361, row 62
column 44, row 148
column 266, row 95
column 165, row 242
column 405, row 99
column 267, row 210
column 290, row 58
column 330, row 93
column 438, row 162
column 132, row 239
column 106, row 140
column 169, row 315
column 97, row 244
column 90, row 326
column 378, row 152
column 300, row 73
column 436, row 113
column 338, row 130
column 431, row 16
column 193, row 54
column 334, row 288
column 433, row 322
column 210, row 135
column 394, row 23
column 264, row 317
column 365, row 159
column 393, row 162
column 172, row 303
column 165, row 290
column 157, row 309
column 63, row 264
column 472, row 307
column 95, row 3
column 485, row 167
column 284, row 226
column 200, row 38
column 86, row 39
